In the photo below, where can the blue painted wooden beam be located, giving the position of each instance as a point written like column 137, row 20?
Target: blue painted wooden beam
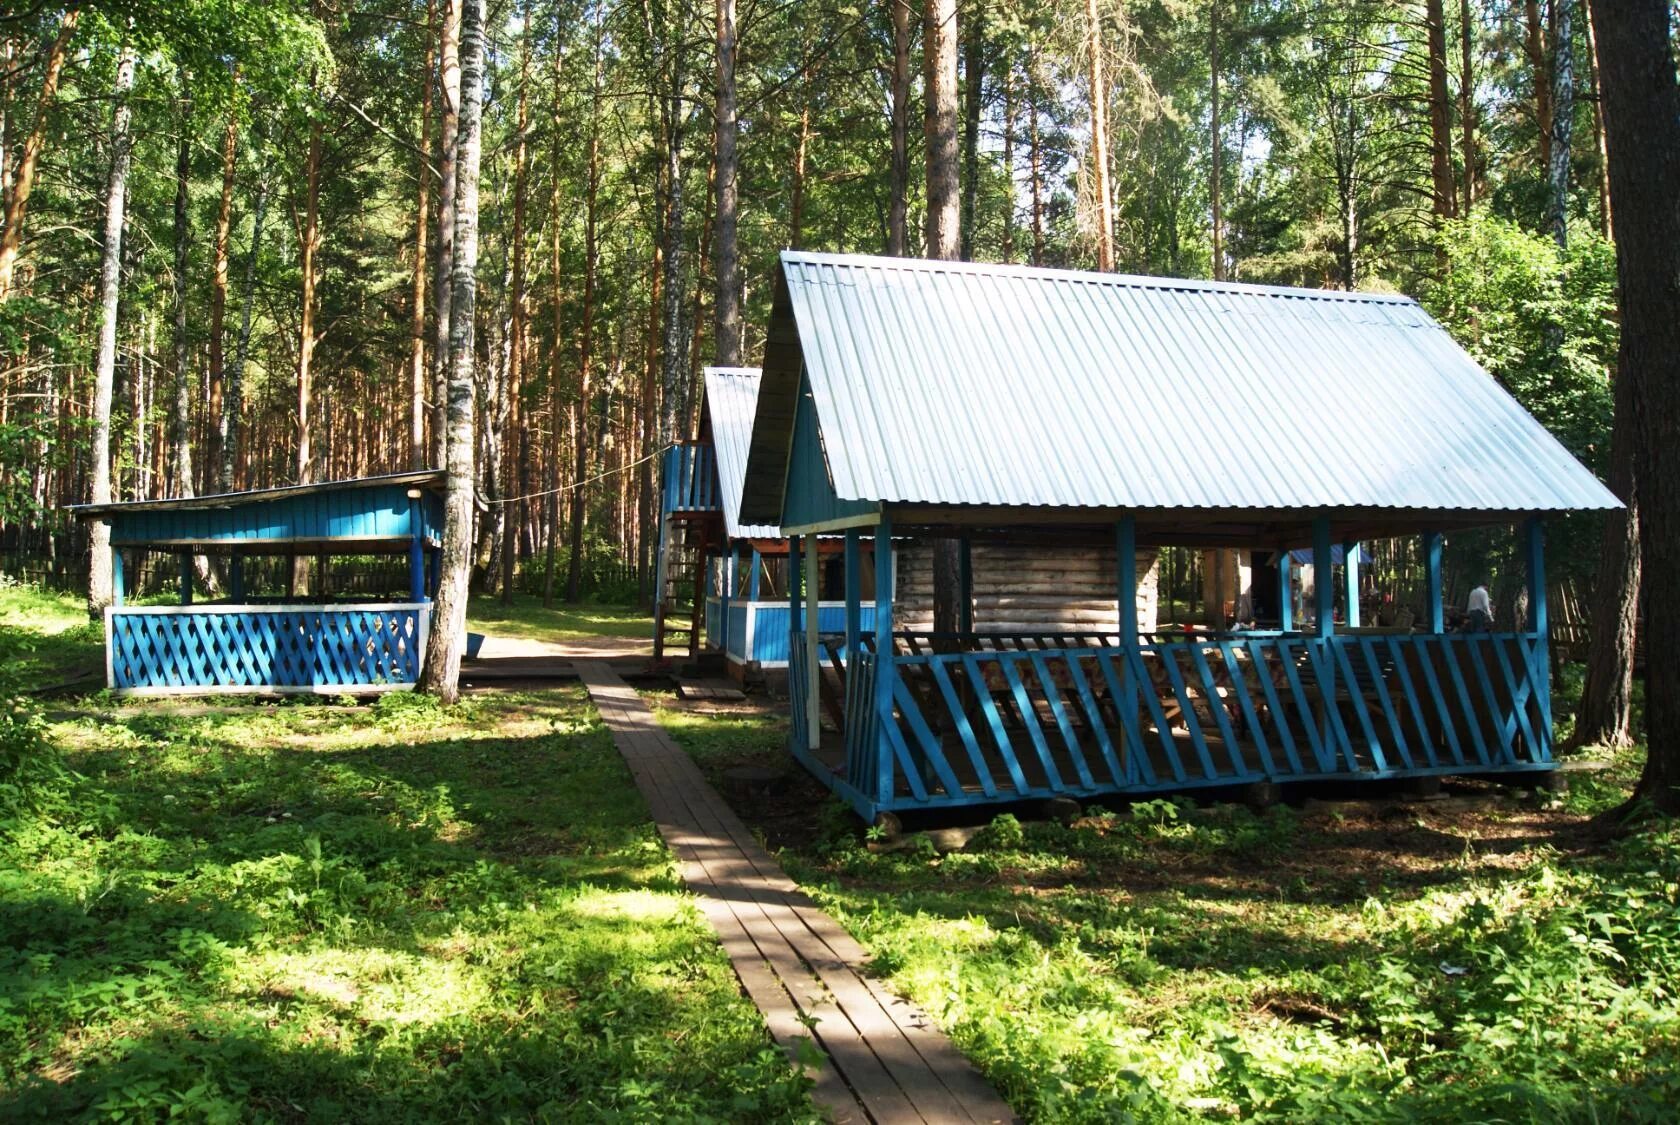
column 236, row 578
column 1125, row 568
column 1350, row 576
column 728, row 592
column 793, row 570
column 1286, row 591
column 1324, row 588
column 1433, row 593
column 118, row 586
column 886, row 674
column 1534, row 541
column 752, row 579
column 186, row 578
column 416, row 554
column 854, row 595
column 965, row 584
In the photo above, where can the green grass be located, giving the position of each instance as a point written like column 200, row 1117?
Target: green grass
column 387, row 913
column 46, row 638
column 1346, row 962
column 527, row 619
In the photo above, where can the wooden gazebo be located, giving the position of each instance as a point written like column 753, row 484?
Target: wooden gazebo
column 278, row 644
column 926, row 400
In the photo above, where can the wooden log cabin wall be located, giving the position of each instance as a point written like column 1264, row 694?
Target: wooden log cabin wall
column 1025, row 588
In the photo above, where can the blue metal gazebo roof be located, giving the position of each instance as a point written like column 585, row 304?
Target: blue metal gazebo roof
column 380, row 514
column 957, row 384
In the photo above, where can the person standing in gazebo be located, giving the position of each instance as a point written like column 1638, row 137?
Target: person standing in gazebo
column 1480, row 609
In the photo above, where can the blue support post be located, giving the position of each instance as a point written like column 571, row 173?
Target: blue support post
column 236, row 578
column 416, row 554
column 885, row 673
column 794, row 605
column 854, row 595
column 1125, row 567
column 117, row 583
column 752, row 579
column 1432, row 582
column 1286, row 591
column 1534, row 536
column 1350, row 574
column 965, row 585
column 1324, row 582
column 723, row 602
column 186, row 577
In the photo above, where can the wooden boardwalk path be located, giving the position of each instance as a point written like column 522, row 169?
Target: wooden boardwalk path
column 877, row 1057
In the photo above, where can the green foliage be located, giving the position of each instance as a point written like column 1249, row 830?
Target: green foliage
column 378, row 913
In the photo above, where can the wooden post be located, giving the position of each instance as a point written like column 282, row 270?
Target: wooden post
column 854, row 596
column 236, row 579
column 416, row 553
column 1286, row 591
column 1125, row 567
column 723, row 600
column 1350, row 575
column 117, row 583
column 794, row 604
column 1324, row 590
column 1534, row 535
column 884, row 670
column 186, row 578
column 965, row 582
column 1432, row 582
column 813, row 621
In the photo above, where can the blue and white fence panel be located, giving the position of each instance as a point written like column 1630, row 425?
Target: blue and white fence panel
column 259, row 649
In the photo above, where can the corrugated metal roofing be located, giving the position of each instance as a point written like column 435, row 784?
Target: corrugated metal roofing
column 957, row 383
column 731, row 400
column 431, row 479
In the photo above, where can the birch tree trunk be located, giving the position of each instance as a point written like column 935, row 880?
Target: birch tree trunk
column 974, row 79
column 311, row 239
column 180, row 430
column 1563, row 120
column 1101, row 190
column 586, row 342
column 1216, row 138
column 442, row 673
column 233, row 401
column 105, row 367
column 449, row 90
column 417, row 448
column 23, row 181
column 515, row 388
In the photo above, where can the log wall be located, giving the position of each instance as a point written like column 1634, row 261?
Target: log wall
column 1028, row 589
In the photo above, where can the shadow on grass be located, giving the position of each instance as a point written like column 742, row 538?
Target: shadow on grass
column 428, row 922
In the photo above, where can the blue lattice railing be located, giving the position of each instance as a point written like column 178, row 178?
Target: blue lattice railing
column 188, row 650
column 1006, row 718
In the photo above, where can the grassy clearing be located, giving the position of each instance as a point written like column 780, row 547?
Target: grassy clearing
column 1471, row 960
column 46, row 638
column 527, row 619
column 394, row 912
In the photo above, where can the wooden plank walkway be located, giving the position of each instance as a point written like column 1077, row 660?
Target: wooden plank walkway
column 876, row 1057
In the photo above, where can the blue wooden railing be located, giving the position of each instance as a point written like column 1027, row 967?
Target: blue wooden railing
column 690, row 479
column 1010, row 717
column 183, row 650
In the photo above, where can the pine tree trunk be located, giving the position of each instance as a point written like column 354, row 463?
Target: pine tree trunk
column 1467, row 102
column 311, row 239
column 898, row 214
column 1008, row 246
column 449, row 614
column 180, row 431
column 105, row 367
column 218, row 295
column 515, row 388
column 1642, row 120
column 1605, row 211
column 23, row 180
column 233, row 401
column 1102, row 192
column 1606, row 712
column 586, row 343
column 939, row 57
column 1534, row 47
column 1445, row 198
column 727, row 304
column 1035, row 160
column 1216, row 140
column 449, row 91
column 974, row 80
column 417, row 448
